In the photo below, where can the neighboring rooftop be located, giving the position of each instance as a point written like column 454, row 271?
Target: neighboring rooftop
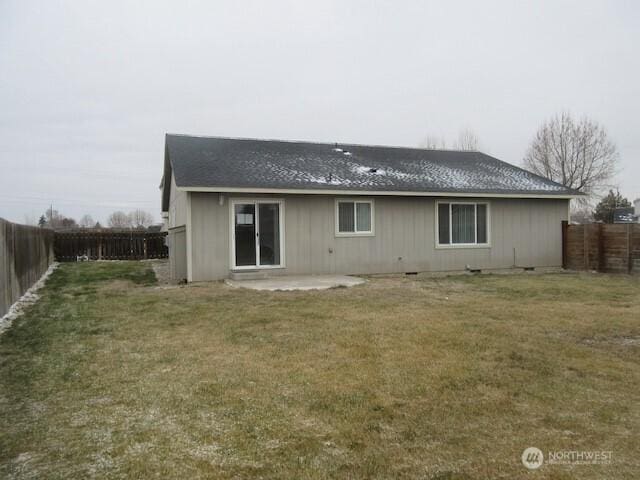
column 624, row 215
column 210, row 162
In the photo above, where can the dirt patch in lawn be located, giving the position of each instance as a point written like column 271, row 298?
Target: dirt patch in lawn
column 162, row 272
column 625, row 341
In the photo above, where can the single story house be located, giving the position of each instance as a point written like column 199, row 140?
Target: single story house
column 235, row 205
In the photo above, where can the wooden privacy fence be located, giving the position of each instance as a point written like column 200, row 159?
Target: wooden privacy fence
column 110, row 245
column 25, row 254
column 603, row 247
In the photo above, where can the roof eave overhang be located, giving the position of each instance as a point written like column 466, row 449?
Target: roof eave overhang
column 165, row 185
column 311, row 191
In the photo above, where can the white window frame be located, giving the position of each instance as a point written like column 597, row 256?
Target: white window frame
column 355, row 233
column 232, row 233
column 475, row 230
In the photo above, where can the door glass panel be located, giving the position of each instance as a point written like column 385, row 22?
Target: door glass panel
column 269, row 228
column 245, row 230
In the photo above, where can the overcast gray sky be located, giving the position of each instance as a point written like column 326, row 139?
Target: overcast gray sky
column 88, row 89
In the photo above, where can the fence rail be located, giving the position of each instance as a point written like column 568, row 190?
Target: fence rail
column 110, row 245
column 603, row 247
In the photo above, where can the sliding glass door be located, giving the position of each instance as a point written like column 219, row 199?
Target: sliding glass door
column 245, row 234
column 257, row 235
column 269, row 233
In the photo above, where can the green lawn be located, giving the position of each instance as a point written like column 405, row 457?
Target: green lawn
column 112, row 376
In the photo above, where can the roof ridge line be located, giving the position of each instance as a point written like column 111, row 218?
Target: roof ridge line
column 330, row 144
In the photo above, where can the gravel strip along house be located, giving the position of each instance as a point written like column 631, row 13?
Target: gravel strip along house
column 246, row 208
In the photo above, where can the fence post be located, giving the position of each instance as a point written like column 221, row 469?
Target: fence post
column 585, row 246
column 601, row 263
column 629, row 249
column 565, row 226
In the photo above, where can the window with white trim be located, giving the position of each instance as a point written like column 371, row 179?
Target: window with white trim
column 354, row 217
column 463, row 223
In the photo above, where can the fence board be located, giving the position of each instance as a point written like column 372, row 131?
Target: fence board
column 110, row 245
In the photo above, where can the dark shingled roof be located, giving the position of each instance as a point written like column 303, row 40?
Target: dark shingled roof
column 274, row 164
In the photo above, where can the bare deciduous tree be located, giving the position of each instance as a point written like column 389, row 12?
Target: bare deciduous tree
column 467, row 140
column 577, row 154
column 582, row 213
column 119, row 220
column 86, row 221
column 55, row 220
column 140, row 218
column 433, row 142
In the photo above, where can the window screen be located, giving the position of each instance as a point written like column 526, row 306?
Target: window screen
column 482, row 223
column 346, row 220
column 355, row 217
column 443, row 223
column 463, row 223
column 363, row 217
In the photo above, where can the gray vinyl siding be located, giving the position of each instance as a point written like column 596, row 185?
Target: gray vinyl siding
column 210, row 234
column 404, row 239
column 177, row 237
column 178, row 253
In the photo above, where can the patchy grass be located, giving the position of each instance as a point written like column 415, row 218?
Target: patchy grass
column 110, row 376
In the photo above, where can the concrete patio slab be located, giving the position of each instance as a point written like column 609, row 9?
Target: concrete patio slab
column 297, row 282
